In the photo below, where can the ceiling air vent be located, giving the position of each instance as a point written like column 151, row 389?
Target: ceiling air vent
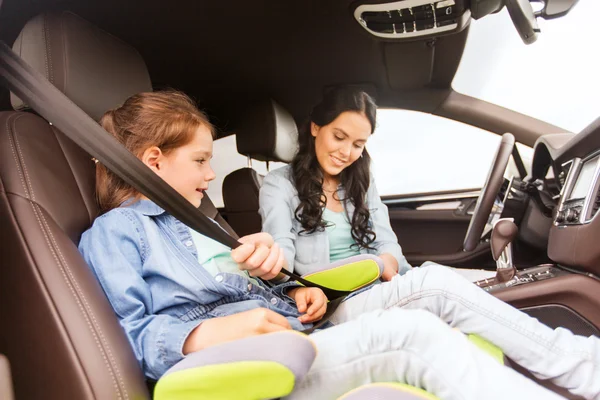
column 410, row 18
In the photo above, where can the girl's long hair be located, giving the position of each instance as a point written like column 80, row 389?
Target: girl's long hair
column 166, row 119
column 307, row 174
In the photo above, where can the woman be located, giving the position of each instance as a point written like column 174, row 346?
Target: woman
column 324, row 206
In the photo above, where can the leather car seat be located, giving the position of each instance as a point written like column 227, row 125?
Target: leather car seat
column 59, row 331
column 267, row 132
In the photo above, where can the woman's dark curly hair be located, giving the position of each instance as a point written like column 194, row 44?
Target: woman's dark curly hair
column 307, row 174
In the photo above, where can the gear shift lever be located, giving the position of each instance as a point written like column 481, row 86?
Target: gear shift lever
column 503, row 234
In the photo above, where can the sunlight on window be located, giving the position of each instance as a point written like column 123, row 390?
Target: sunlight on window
column 415, row 152
column 555, row 79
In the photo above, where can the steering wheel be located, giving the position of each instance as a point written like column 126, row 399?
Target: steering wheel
column 490, row 191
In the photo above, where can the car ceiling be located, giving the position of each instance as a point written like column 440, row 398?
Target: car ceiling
column 229, row 53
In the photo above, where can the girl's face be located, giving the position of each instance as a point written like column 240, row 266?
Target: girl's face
column 341, row 142
column 187, row 169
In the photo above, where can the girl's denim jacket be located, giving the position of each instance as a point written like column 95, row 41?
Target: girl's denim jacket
column 146, row 262
column 306, row 253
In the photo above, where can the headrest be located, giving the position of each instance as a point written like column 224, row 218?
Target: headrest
column 268, row 133
column 94, row 69
column 240, row 190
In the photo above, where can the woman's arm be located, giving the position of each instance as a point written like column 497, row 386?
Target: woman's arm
column 386, row 242
column 277, row 214
column 390, row 266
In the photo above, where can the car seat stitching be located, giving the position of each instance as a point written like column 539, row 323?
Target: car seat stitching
column 90, row 212
column 46, row 46
column 48, row 55
column 65, row 64
column 87, row 307
column 22, row 160
column 12, row 147
column 37, row 213
column 27, row 179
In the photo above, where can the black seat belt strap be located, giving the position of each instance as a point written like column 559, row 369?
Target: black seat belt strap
column 33, row 88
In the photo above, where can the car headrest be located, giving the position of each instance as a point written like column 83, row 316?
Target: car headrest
column 267, row 132
column 94, row 69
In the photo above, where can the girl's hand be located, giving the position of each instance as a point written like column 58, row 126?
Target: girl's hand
column 260, row 256
column 237, row 326
column 312, row 301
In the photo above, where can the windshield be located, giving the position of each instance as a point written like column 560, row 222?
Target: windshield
column 554, row 79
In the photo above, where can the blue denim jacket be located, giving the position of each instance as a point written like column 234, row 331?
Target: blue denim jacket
column 146, row 262
column 306, row 253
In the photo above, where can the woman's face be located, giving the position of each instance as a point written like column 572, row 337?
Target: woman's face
column 187, row 169
column 341, row 142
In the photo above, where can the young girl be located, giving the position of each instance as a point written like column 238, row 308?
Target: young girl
column 326, row 199
column 176, row 291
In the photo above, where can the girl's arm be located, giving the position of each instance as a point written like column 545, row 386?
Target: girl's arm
column 232, row 327
column 114, row 250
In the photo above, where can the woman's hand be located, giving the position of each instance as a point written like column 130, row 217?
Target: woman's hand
column 237, row 326
column 260, row 256
column 312, row 301
column 390, row 267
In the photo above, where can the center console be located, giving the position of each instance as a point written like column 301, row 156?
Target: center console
column 565, row 293
column 578, row 204
column 529, row 275
column 573, row 238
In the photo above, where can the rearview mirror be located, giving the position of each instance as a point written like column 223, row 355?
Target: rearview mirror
column 524, row 16
column 554, row 8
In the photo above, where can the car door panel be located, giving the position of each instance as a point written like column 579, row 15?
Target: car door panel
column 432, row 227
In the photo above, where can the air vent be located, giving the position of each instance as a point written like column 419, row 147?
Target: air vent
column 595, row 205
column 410, row 18
column 564, row 173
column 562, row 178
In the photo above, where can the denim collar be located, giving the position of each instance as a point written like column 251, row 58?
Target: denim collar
column 144, row 206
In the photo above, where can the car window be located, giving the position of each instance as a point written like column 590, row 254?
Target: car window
column 416, row 152
column 225, row 160
column 554, row 79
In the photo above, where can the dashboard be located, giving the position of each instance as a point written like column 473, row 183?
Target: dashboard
column 579, row 197
column 575, row 159
column 566, row 291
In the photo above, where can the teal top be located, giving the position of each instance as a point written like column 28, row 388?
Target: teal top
column 339, row 232
column 215, row 257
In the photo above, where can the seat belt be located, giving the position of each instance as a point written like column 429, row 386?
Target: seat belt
column 49, row 102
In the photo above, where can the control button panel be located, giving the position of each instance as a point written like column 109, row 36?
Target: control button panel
column 570, row 213
column 422, row 17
